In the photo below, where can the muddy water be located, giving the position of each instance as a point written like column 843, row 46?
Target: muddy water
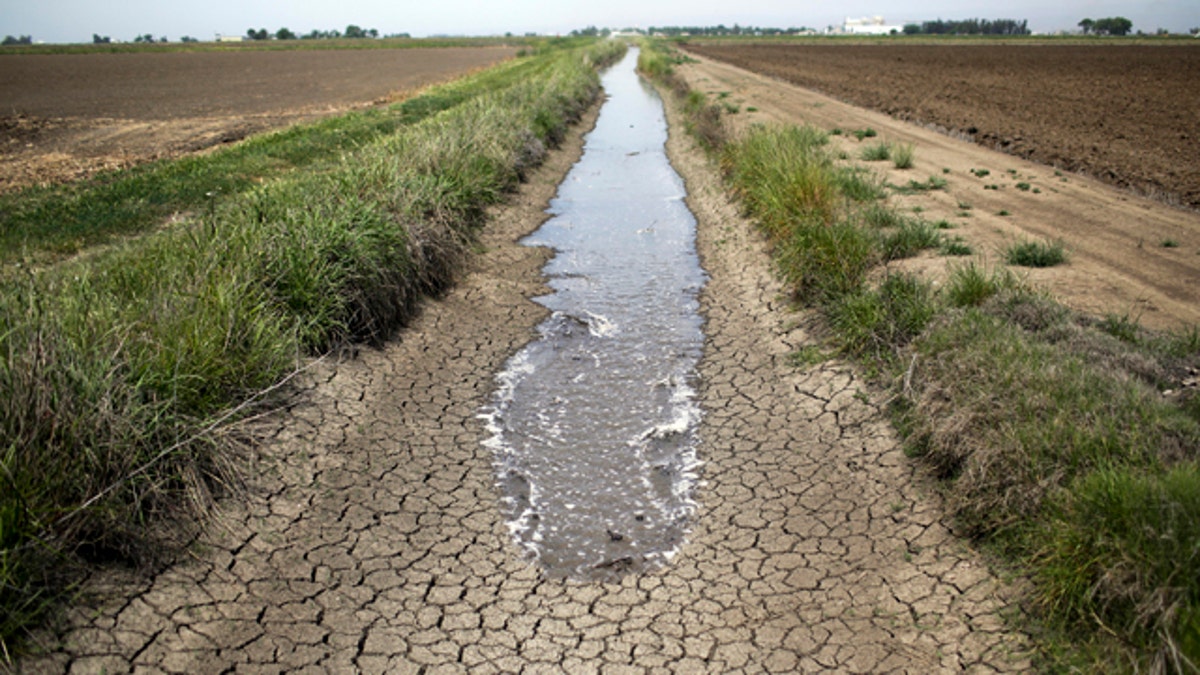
column 593, row 424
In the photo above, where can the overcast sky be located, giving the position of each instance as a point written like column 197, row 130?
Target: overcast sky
column 77, row 20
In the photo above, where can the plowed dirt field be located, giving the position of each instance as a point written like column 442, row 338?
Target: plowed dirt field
column 1126, row 114
column 69, row 115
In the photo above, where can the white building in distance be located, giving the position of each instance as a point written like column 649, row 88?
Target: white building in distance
column 869, row 25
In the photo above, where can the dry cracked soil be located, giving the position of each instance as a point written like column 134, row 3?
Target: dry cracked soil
column 373, row 542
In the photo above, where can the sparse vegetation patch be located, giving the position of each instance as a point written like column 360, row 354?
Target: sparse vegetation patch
column 1051, row 440
column 1036, row 253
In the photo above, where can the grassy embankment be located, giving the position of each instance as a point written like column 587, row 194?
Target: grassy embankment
column 1054, row 436
column 123, row 373
column 42, row 224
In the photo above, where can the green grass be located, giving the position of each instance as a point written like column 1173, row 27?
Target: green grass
column 970, row 285
column 873, row 322
column 879, row 152
column 123, row 371
column 1036, row 254
column 1076, row 469
column 916, row 187
column 903, row 156
column 808, row 356
column 41, row 225
column 1053, row 444
column 909, row 239
column 955, row 246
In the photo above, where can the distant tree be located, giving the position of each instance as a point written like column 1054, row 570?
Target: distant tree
column 188, row 38
column 911, row 29
column 975, row 27
column 1087, row 25
column 146, row 38
column 284, row 34
column 353, row 31
column 98, row 39
column 23, row 40
column 372, row 33
column 1117, row 25
column 163, row 39
column 260, row 34
column 1195, row 31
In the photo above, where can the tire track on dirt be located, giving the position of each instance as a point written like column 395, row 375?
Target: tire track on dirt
column 1118, row 264
column 375, row 544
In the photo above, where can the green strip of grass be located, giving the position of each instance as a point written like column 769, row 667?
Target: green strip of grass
column 1050, row 431
column 41, row 225
column 122, row 372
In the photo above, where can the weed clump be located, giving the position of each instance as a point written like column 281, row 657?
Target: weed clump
column 903, row 156
column 878, row 152
column 910, row 238
column 1036, row 254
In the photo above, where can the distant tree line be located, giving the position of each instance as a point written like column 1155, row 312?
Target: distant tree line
column 352, row 31
column 147, row 38
column 721, row 29
column 1116, row 25
column 23, row 40
column 591, row 31
column 969, row 27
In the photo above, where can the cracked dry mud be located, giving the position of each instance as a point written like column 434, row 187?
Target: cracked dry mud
column 375, row 543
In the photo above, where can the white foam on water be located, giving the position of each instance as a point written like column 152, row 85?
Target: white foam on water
column 600, row 326
column 593, row 425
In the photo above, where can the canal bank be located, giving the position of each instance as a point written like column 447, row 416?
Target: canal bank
column 375, row 541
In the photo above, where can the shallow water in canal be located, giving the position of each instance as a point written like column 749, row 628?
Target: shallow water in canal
column 593, row 424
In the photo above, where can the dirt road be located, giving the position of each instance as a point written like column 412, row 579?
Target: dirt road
column 1129, row 256
column 374, row 542
column 1125, row 113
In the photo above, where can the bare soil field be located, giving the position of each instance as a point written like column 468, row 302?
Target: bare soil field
column 69, row 115
column 1128, row 255
column 1126, row 114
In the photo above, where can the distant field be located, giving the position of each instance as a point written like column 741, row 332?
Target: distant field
column 69, row 115
column 1127, row 113
column 269, row 45
column 157, row 86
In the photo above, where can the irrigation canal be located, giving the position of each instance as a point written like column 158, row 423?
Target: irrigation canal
column 594, row 423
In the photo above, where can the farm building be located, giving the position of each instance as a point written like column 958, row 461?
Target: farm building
column 869, row 25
